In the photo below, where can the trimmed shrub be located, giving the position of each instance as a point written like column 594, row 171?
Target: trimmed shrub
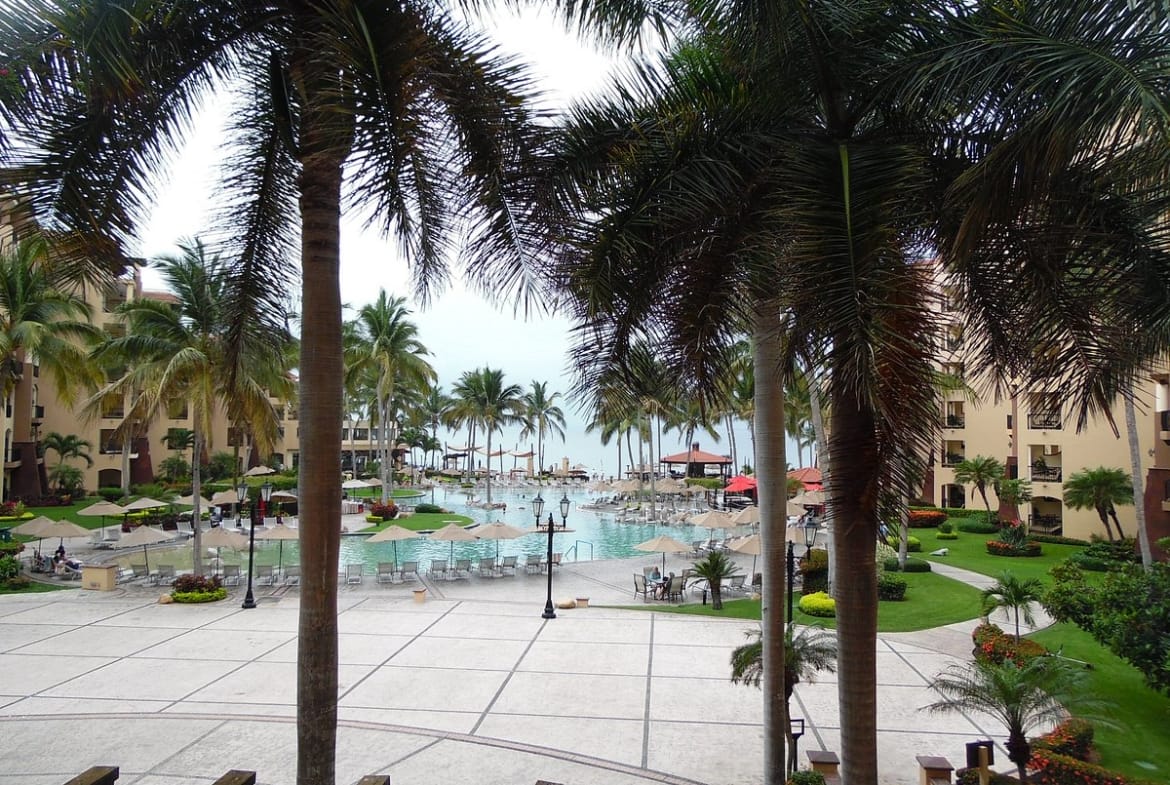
column 913, row 544
column 192, row 597
column 806, row 777
column 1048, row 768
column 9, row 568
column 1001, row 548
column 386, row 512
column 373, row 519
column 972, row 526
column 425, row 508
column 912, row 565
column 154, row 490
column 891, row 587
column 110, row 494
column 995, row 646
column 818, row 604
column 814, row 571
column 926, row 519
column 947, row 536
column 197, row 588
column 1073, row 737
column 946, row 527
column 1056, row 539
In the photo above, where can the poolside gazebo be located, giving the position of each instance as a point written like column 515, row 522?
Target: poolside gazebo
column 696, row 461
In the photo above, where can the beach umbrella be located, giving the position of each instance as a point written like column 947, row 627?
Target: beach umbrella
column 394, row 533
column 34, row 528
column 453, row 533
column 749, row 545
column 795, row 510
column 747, row 516
column 714, row 519
column 103, row 509
column 145, row 503
column 809, row 499
column 219, row 537
column 497, row 531
column 143, row 535
column 259, row 471
column 189, row 499
column 230, row 496
column 279, row 532
column 664, row 545
column 64, row 529
column 284, row 495
column 740, row 483
column 350, row 485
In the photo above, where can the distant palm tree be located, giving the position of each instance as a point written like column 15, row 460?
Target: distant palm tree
column 435, row 408
column 980, row 471
column 1015, row 595
column 540, row 415
column 806, row 653
column 1013, row 491
column 1100, row 489
column 496, row 404
column 715, row 568
column 1024, row 697
column 67, row 446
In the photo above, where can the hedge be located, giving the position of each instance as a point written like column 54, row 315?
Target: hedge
column 891, row 587
column 1001, row 548
column 199, row 596
column 814, row 571
column 925, row 519
column 977, row 527
column 912, row 565
column 913, row 544
column 818, row 604
column 948, row 536
column 1056, row 539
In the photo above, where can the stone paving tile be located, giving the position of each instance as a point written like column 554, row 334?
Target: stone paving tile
column 426, row 689
column 627, row 629
column 714, row 700
column 143, row 679
column 464, row 653
column 453, row 721
column 13, row 636
column 278, row 619
column 603, row 658
column 490, row 625
column 38, row 672
column 72, row 613
column 688, row 662
column 724, row 634
column 695, row 750
column 269, row 683
column 236, row 709
column 85, row 742
column 618, row 740
column 355, row 649
column 75, row 706
column 173, row 616
column 388, row 622
column 237, row 645
column 574, row 695
column 99, row 641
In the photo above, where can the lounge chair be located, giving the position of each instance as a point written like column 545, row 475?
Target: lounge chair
column 353, row 573
column 556, row 559
column 698, row 548
column 292, row 575
column 165, row 575
column 509, row 565
column 534, row 565
column 231, row 575
column 487, row 567
column 266, row 574
column 139, row 572
column 438, row 569
column 735, row 584
column 640, row 586
column 409, row 568
column 386, row 570
column 462, row 568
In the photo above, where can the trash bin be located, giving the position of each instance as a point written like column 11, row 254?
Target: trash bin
column 99, row 577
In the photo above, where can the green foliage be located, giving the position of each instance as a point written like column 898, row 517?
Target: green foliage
column 373, row 519
column 152, row 489
column 946, row 527
column 1056, row 539
column 891, row 587
column 818, row 604
column 971, row 777
column 1001, row 548
column 1014, row 594
column 814, row 571
column 110, row 494
column 1102, row 555
column 977, row 526
column 1128, row 612
column 11, row 548
column 995, row 646
column 220, row 467
column 715, row 568
column 913, row 544
column 806, row 777
column 947, row 536
column 912, row 565
column 1163, row 543
column 1050, row 768
column 197, row 588
column 175, row 468
column 1073, row 737
column 1013, row 534
column 199, row 596
column 9, row 567
column 428, row 508
column 385, row 512
column 68, row 480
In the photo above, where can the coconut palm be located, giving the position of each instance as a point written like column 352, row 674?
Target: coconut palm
column 1025, row 698
column 779, row 174
column 397, row 110
column 179, row 351
column 1015, row 595
column 386, row 351
column 540, row 414
column 714, row 568
column 435, row 408
column 980, row 471
column 1100, row 489
column 806, row 653
column 493, row 404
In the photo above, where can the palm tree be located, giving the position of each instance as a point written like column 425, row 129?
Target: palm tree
column 67, row 446
column 1014, row 594
column 714, row 568
column 494, row 404
column 396, row 109
column 1013, row 491
column 179, row 351
column 435, row 409
column 778, row 174
column 806, row 653
column 979, row 471
column 1100, row 489
column 540, row 414
column 1024, row 697
column 387, row 352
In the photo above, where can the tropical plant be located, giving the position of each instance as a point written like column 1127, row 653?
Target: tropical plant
column 980, row 471
column 1100, row 489
column 67, row 446
column 1015, row 595
column 540, row 415
column 69, row 480
column 1013, row 491
column 1024, row 697
column 714, row 568
column 485, row 399
column 806, row 652
column 180, row 350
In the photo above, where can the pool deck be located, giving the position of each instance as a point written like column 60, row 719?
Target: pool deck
column 470, row 685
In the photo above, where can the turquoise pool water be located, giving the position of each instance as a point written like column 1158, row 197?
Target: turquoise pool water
column 593, row 535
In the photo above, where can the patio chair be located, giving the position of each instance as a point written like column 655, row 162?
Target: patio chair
column 532, row 564
column 385, row 574
column 698, row 548
column 487, row 567
column 509, row 565
column 438, row 569
column 674, row 589
column 266, row 574
column 640, row 587
column 139, row 572
column 231, row 575
column 463, row 568
column 735, row 584
column 292, row 575
column 353, row 573
column 556, row 559
column 165, row 575
column 409, row 568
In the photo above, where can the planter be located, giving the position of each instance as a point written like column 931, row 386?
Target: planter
column 582, row 602
column 420, row 595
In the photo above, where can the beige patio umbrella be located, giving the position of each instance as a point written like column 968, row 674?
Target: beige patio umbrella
column 35, row 528
column 279, row 532
column 189, row 499
column 102, row 508
column 65, row 529
column 795, row 510
column 143, row 535
column 497, row 530
column 283, row 495
column 259, row 471
column 230, row 496
column 749, row 545
column 664, row 545
column 747, row 516
column 351, row 485
column 714, row 519
column 219, row 537
column 453, row 533
column 808, row 499
column 394, row 533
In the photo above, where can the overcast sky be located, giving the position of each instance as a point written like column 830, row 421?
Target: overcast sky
column 461, row 330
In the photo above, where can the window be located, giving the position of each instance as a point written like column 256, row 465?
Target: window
column 361, row 434
column 113, row 408
column 1044, row 412
column 345, row 434
column 177, row 409
column 111, row 442
column 955, row 415
column 237, row 437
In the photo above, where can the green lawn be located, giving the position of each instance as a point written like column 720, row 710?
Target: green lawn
column 36, row 587
column 421, row 521
column 970, row 553
column 1142, row 716
column 931, row 601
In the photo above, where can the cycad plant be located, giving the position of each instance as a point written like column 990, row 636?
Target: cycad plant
column 715, row 568
column 980, row 471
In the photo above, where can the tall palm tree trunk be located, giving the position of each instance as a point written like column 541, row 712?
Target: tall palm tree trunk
column 320, row 503
column 489, row 466
column 771, row 465
column 653, row 474
column 853, row 499
column 196, row 487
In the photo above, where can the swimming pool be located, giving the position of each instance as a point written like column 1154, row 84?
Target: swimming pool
column 593, row 535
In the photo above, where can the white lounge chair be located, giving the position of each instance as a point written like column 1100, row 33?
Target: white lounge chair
column 385, row 574
column 353, row 573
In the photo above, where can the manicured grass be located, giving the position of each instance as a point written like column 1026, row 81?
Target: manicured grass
column 1142, row 716
column 36, row 587
column 931, row 601
column 421, row 521
column 970, row 553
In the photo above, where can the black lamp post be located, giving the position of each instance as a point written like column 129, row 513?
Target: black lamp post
column 810, row 533
column 538, row 510
column 265, row 495
column 796, row 726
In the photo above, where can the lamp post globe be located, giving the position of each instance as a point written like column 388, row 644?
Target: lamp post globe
column 810, row 533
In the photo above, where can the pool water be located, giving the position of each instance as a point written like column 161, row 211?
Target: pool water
column 592, row 535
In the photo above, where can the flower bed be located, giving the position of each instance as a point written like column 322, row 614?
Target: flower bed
column 925, row 519
column 1073, row 737
column 1001, row 548
column 994, row 645
column 1048, row 768
column 197, row 588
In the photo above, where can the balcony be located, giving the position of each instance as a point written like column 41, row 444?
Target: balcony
column 956, row 421
column 38, row 413
column 1043, row 473
column 952, row 459
column 1045, row 524
column 1164, row 426
column 1044, row 421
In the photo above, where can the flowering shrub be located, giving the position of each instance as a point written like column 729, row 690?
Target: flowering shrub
column 11, row 509
column 971, row 777
column 994, row 646
column 385, row 511
column 197, row 588
column 814, row 571
column 1048, row 768
column 1001, row 548
column 1013, row 533
column 926, row 519
column 1073, row 738
column 818, row 604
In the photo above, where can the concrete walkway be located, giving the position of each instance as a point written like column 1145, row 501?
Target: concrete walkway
column 470, row 686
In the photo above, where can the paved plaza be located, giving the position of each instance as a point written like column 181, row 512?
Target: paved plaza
column 470, row 686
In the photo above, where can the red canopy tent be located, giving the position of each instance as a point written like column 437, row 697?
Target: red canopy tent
column 740, row 483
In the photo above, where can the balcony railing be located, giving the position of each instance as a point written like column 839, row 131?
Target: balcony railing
column 952, row 459
column 38, row 412
column 1044, row 421
column 1045, row 524
column 956, row 421
column 1046, row 473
